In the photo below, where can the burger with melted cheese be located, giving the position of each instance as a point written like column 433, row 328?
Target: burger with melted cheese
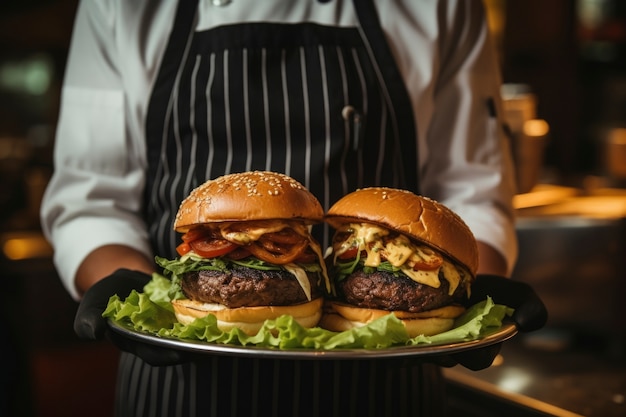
column 397, row 252
column 247, row 254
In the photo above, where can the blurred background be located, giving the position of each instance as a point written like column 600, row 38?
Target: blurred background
column 564, row 69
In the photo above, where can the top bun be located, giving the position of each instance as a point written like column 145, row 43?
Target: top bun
column 256, row 195
column 417, row 217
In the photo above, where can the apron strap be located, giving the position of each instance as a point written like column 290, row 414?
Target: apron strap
column 170, row 64
column 394, row 90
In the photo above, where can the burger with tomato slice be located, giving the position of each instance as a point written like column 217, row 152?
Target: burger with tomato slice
column 247, row 254
column 396, row 252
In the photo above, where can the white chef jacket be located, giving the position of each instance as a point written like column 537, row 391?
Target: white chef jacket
column 442, row 49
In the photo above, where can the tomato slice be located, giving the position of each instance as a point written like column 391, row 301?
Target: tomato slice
column 195, row 234
column 350, row 253
column 183, row 248
column 205, row 243
column 211, row 248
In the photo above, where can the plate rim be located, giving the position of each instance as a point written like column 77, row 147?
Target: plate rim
column 503, row 333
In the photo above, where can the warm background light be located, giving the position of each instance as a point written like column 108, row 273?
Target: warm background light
column 26, row 246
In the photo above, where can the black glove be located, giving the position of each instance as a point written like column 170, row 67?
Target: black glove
column 89, row 323
column 530, row 314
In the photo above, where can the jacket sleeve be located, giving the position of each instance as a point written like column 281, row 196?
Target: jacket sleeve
column 450, row 67
column 470, row 167
column 95, row 195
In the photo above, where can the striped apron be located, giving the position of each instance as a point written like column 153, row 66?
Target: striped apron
column 325, row 105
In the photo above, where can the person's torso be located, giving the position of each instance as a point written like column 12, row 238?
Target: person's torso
column 324, row 104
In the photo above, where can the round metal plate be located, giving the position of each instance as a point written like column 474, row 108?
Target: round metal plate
column 507, row 331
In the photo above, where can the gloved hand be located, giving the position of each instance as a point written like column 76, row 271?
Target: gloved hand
column 530, row 314
column 89, row 323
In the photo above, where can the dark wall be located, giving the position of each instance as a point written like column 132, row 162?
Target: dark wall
column 578, row 73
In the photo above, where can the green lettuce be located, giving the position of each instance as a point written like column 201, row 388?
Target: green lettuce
column 150, row 311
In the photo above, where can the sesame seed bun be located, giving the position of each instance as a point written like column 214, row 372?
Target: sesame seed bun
column 256, row 195
column 247, row 210
column 248, row 319
column 424, row 307
column 418, row 217
column 340, row 317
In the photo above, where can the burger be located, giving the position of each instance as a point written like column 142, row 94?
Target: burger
column 395, row 252
column 247, row 254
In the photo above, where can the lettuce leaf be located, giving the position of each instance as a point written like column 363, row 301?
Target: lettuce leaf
column 150, row 311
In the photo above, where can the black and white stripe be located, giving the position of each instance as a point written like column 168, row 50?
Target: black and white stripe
column 243, row 386
column 239, row 109
column 307, row 100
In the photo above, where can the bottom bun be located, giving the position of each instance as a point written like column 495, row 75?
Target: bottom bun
column 248, row 319
column 339, row 317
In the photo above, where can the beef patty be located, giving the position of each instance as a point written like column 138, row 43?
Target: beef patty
column 247, row 287
column 382, row 290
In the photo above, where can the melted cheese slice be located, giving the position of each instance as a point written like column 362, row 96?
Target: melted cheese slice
column 426, row 277
column 246, row 233
column 318, row 251
column 452, row 274
column 302, row 278
column 400, row 252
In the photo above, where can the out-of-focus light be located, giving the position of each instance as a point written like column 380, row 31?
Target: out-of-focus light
column 592, row 13
column 514, row 380
column 30, row 76
column 498, row 360
column 26, row 247
column 536, row 127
